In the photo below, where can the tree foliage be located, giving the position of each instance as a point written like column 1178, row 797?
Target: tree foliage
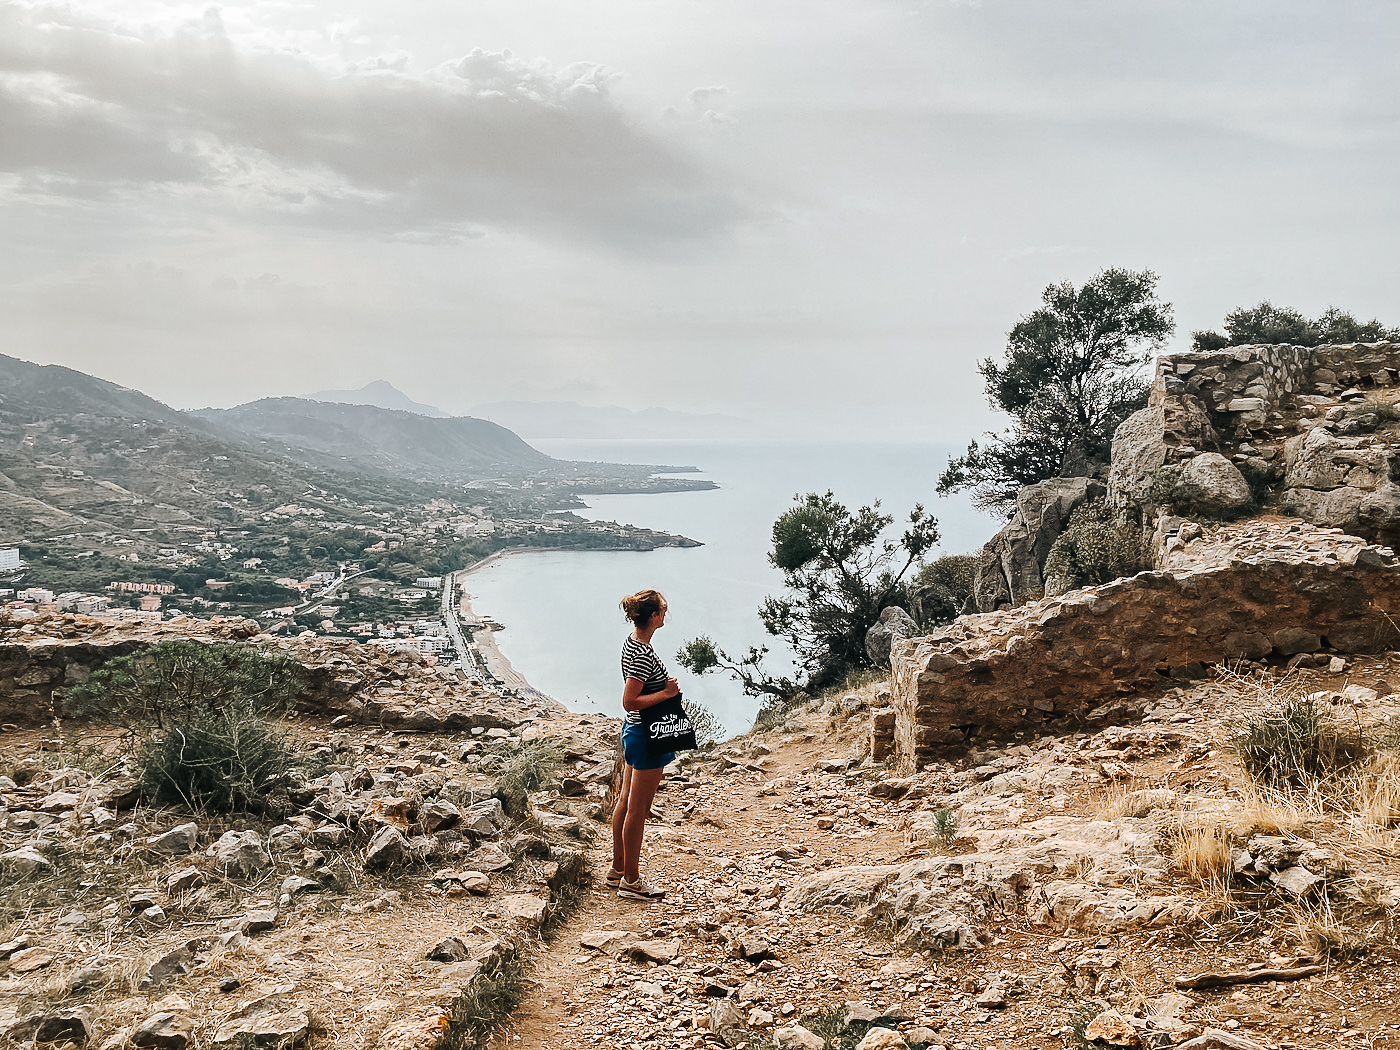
column 1267, row 323
column 839, row 574
column 1069, row 376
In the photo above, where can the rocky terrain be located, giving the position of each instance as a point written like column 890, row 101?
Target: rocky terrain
column 1030, row 894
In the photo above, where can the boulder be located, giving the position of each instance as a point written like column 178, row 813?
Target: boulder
column 1010, row 566
column 894, row 623
column 1210, row 485
column 1146, row 442
column 388, row 849
column 240, row 854
column 1342, row 482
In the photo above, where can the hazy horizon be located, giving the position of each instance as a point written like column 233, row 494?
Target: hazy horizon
column 819, row 216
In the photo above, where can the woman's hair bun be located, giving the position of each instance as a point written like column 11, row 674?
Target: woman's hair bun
column 642, row 606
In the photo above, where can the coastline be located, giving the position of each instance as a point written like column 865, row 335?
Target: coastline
column 485, row 639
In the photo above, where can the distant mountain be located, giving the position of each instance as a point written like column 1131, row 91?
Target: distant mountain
column 77, row 451
column 568, row 419
column 375, row 440
column 379, row 394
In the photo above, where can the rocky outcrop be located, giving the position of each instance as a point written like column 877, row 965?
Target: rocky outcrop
column 1284, row 417
column 1250, row 592
column 1010, row 567
column 1344, row 481
column 894, row 623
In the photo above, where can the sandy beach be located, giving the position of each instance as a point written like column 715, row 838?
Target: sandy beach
column 485, row 640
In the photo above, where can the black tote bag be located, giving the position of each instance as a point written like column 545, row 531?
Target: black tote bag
column 666, row 727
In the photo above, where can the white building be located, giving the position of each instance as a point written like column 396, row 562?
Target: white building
column 9, row 558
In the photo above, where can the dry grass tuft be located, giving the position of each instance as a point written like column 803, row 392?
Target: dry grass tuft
column 1202, row 854
column 1270, row 815
column 1122, row 800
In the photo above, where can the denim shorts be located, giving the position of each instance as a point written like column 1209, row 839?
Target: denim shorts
column 634, row 749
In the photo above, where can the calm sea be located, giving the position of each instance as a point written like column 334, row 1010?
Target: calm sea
column 563, row 627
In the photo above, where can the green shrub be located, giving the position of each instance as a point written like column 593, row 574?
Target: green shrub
column 225, row 759
column 169, row 680
column 942, row 587
column 1298, row 745
column 206, row 719
column 1095, row 549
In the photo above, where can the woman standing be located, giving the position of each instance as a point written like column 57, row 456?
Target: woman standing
column 645, row 682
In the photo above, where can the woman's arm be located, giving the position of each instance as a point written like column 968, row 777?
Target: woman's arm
column 633, row 699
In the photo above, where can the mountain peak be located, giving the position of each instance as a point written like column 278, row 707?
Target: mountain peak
column 379, row 394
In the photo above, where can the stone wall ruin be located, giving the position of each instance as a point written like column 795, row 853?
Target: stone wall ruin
column 1262, row 590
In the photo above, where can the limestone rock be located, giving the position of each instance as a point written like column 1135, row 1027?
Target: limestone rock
column 795, row 1037
column 1010, row 566
column 176, row 841
column 264, row 1022
column 27, row 960
column 258, row 920
column 388, row 849
column 1212, row 486
column 163, row 1031
column 1343, row 482
column 416, row 1033
column 661, row 952
column 1111, row 1028
column 437, row 814
column 24, row 861
column 240, row 854
column 485, row 818
column 1297, row 881
column 894, row 622
column 525, row 908
column 72, row 1025
column 451, row 950
column 1146, row 442
column 184, row 880
column 882, row 1039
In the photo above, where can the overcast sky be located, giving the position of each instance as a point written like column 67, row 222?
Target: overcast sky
column 816, row 212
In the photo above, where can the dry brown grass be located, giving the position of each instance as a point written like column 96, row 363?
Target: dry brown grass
column 1270, row 814
column 1130, row 800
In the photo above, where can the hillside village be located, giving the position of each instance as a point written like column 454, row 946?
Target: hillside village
column 1042, row 830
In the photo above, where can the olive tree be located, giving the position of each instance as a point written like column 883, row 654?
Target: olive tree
column 1070, row 374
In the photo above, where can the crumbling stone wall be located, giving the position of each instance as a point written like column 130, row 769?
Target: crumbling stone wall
column 40, row 660
column 1250, row 592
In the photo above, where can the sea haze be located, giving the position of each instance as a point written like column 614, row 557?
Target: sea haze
column 563, row 628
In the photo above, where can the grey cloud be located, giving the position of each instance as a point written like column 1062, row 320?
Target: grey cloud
column 488, row 140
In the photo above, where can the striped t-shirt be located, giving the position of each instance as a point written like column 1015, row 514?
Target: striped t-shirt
column 640, row 661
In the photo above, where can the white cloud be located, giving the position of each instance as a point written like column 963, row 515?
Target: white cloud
column 92, row 109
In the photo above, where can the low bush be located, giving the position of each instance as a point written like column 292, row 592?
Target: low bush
column 1094, row 549
column 709, row 730
column 206, row 719
column 226, row 759
column 1297, row 745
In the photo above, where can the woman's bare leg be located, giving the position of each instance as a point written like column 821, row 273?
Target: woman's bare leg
column 619, row 816
column 641, row 789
